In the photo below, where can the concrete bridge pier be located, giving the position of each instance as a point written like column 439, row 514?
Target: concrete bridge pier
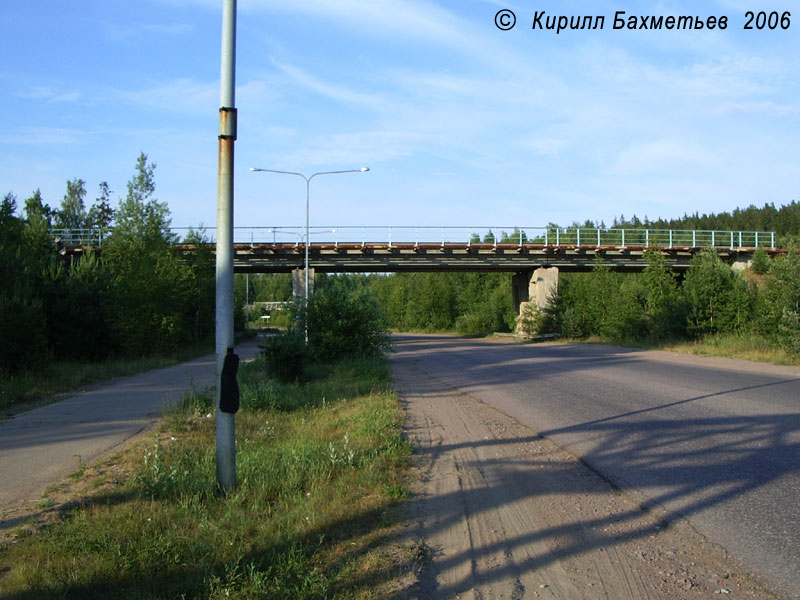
column 520, row 285
column 299, row 283
column 534, row 288
column 740, row 263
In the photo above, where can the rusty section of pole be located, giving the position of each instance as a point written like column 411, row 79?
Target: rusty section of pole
column 227, row 124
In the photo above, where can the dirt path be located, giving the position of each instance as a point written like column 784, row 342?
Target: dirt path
column 508, row 514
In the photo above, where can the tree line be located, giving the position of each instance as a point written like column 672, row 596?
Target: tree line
column 139, row 297
column 658, row 305
column 471, row 303
column 784, row 221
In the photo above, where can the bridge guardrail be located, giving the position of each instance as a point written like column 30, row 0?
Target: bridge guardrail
column 80, row 237
column 548, row 236
column 589, row 237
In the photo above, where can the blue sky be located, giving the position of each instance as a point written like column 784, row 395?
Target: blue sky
column 459, row 122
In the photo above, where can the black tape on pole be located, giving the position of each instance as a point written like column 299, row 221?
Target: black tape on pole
column 229, row 394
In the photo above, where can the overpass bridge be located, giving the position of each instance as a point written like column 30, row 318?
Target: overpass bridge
column 354, row 249
column 533, row 254
column 398, row 249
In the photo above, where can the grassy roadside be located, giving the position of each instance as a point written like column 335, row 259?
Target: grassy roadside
column 730, row 345
column 32, row 389
column 320, row 469
column 742, row 346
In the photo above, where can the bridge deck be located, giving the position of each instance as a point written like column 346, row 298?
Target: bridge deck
column 433, row 249
column 399, row 257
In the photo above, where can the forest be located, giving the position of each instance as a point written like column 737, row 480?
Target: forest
column 141, row 297
column 137, row 298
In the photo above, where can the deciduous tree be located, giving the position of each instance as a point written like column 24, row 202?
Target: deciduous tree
column 72, row 213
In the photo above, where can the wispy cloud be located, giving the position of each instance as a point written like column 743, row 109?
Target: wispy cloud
column 126, row 33
column 168, row 28
column 766, row 108
column 184, row 95
column 45, row 136
column 47, row 94
column 409, row 18
column 434, row 23
column 663, row 155
column 330, row 91
column 356, row 148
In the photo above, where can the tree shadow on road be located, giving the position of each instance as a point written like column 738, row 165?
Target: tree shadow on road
column 680, row 467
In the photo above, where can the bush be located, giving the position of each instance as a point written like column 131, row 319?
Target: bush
column 574, row 323
column 24, row 335
column 789, row 331
column 780, row 302
column 341, row 324
column 627, row 320
column 285, row 356
column 533, row 321
column 470, row 323
column 716, row 296
column 761, row 262
column 344, row 323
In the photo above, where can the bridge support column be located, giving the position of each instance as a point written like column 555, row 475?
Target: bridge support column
column 740, row 263
column 533, row 289
column 299, row 283
column 520, row 285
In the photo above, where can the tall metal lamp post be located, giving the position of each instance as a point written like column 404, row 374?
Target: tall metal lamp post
column 308, row 201
column 226, row 425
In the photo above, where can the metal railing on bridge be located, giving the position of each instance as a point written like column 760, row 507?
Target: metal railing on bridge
column 80, row 237
column 575, row 237
column 546, row 236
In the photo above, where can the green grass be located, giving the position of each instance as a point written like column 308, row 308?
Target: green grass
column 320, row 470
column 744, row 346
column 57, row 377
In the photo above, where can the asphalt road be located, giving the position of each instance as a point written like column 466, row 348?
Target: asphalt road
column 715, row 441
column 42, row 446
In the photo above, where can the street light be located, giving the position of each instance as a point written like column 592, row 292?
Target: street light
column 308, row 198
column 300, row 236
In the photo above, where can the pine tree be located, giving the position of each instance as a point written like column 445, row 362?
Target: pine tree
column 101, row 215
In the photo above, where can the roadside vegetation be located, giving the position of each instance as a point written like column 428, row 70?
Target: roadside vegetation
column 715, row 310
column 320, row 462
column 137, row 299
column 736, row 345
column 33, row 387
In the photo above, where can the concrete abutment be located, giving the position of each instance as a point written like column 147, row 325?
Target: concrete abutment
column 299, row 283
column 533, row 289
